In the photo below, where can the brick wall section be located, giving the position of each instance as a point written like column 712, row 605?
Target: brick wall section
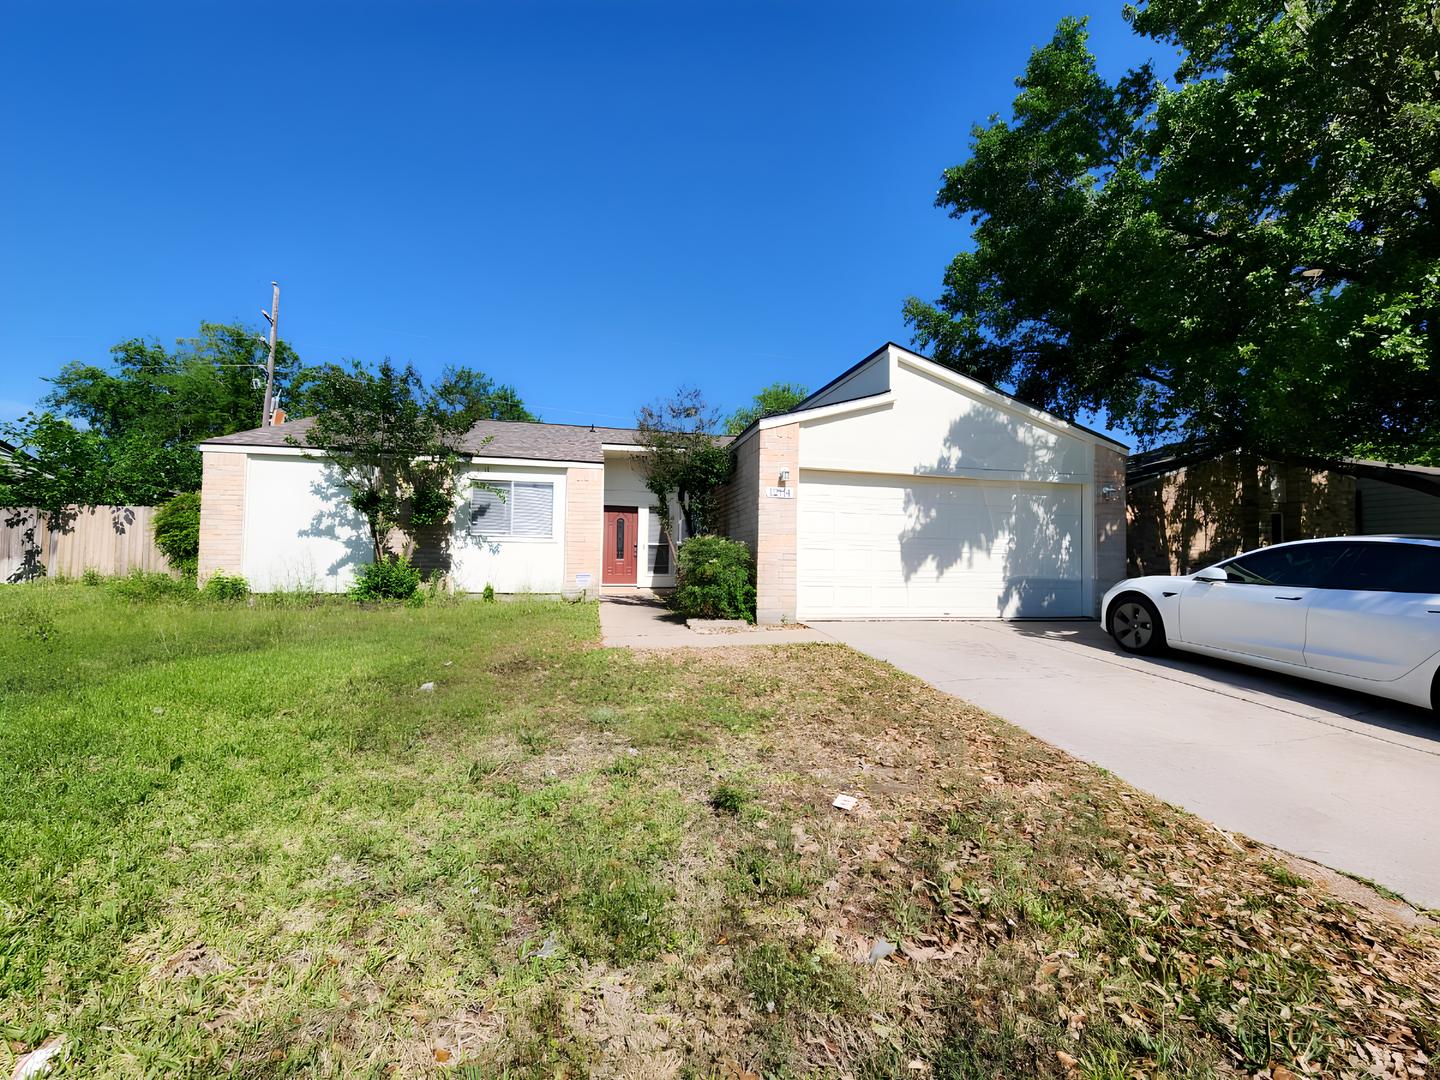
column 775, row 525
column 1109, row 520
column 1193, row 517
column 222, row 514
column 584, row 529
column 736, row 503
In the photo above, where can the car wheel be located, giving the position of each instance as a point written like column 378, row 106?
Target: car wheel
column 1136, row 625
column 1435, row 693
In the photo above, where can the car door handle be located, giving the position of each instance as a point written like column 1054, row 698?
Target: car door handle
column 1289, row 598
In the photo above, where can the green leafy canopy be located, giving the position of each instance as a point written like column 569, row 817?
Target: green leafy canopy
column 392, row 443
column 476, row 396
column 1246, row 253
column 177, row 531
column 126, row 433
column 774, row 399
column 683, row 459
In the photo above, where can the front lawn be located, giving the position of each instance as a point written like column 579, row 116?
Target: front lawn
column 243, row 839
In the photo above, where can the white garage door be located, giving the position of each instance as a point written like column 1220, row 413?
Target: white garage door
column 897, row 546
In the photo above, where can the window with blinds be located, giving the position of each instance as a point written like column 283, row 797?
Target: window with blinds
column 513, row 508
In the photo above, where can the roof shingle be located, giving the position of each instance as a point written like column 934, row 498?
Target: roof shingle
column 527, row 440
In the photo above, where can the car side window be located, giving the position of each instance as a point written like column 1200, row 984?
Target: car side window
column 1379, row 567
column 1297, row 566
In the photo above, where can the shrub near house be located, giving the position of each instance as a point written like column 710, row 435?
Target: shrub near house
column 716, row 580
column 177, row 531
column 389, row 578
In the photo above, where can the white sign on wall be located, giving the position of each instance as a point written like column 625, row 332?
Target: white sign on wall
column 582, row 581
column 780, row 492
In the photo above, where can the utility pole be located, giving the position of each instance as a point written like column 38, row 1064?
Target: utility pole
column 273, row 318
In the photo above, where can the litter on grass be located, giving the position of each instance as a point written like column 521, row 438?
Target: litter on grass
column 845, row 802
column 37, row 1062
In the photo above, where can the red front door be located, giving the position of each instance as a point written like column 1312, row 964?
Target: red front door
column 617, row 566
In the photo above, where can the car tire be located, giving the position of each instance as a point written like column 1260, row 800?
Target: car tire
column 1135, row 625
column 1435, row 693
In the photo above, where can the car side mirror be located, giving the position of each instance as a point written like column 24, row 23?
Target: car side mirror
column 1212, row 573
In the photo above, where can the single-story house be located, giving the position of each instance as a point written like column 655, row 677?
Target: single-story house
column 1189, row 507
column 899, row 489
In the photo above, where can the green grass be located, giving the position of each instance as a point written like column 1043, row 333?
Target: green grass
column 238, row 838
column 780, row 975
column 731, row 797
column 271, row 783
column 1380, row 890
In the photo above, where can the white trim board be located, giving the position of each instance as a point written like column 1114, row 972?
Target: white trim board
column 315, row 455
column 825, row 412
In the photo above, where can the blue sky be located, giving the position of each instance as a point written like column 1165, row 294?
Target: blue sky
column 595, row 202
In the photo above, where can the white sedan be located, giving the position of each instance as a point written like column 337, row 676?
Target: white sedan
column 1360, row 611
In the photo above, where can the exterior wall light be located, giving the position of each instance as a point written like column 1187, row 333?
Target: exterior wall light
column 785, row 475
column 1110, row 492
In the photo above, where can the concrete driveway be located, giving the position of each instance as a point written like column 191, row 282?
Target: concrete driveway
column 1349, row 781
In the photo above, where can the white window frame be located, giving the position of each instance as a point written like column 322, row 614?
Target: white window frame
column 652, row 527
column 507, row 483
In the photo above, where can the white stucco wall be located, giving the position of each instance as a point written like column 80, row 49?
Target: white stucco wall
column 299, row 533
column 509, row 564
column 933, row 429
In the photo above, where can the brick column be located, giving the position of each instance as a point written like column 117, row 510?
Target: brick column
column 1109, row 520
column 584, row 530
column 775, row 536
column 222, row 514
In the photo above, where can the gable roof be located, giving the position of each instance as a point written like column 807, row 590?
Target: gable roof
column 816, row 400
column 526, row 440
column 808, row 403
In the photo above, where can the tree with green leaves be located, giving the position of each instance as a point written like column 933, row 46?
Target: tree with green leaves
column 773, row 400
column 683, row 460
column 66, row 467
column 392, row 443
column 204, row 387
column 477, row 396
column 1245, row 253
column 126, row 433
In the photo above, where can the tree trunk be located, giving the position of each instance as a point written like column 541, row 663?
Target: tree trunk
column 1249, row 502
column 377, row 542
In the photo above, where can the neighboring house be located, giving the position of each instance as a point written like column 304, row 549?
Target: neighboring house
column 900, row 489
column 13, row 460
column 1189, row 508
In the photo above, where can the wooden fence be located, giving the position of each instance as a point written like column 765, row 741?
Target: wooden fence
column 107, row 539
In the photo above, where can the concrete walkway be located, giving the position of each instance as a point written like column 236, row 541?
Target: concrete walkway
column 1344, row 779
column 642, row 622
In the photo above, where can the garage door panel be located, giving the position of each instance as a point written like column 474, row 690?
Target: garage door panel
column 889, row 546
